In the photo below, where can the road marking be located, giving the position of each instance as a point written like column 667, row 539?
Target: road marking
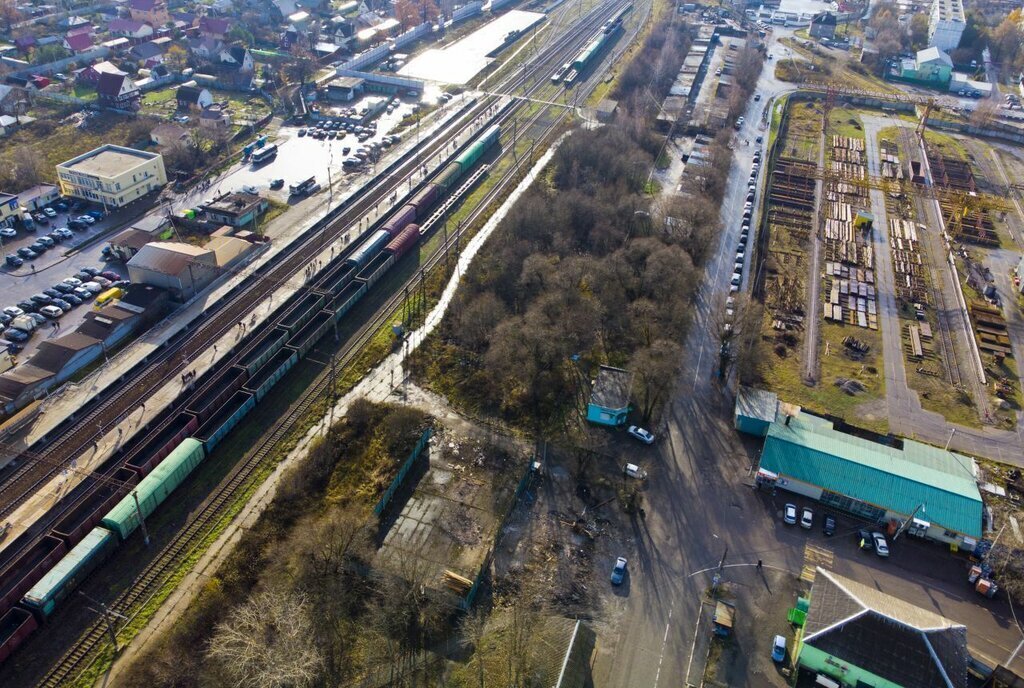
column 664, row 642
column 693, row 645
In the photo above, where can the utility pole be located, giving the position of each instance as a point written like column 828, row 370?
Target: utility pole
column 142, row 519
column 717, row 579
column 906, row 524
column 107, row 614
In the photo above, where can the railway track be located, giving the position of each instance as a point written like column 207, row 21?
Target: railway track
column 908, row 143
column 207, row 517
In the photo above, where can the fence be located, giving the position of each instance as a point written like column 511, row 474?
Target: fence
column 468, row 10
column 52, row 67
column 385, row 499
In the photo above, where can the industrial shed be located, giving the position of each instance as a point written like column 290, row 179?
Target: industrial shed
column 609, row 398
column 182, row 269
column 755, row 410
column 904, row 481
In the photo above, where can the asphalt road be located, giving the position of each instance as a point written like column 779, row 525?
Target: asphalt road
column 700, row 506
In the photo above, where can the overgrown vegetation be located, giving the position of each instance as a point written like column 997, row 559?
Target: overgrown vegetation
column 303, row 572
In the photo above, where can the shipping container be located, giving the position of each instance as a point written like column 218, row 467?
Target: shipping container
column 300, row 313
column 26, row 570
column 90, row 510
column 161, row 442
column 69, row 572
column 211, row 396
column 272, row 371
column 348, row 297
column 268, row 345
column 449, row 176
column 369, row 248
column 424, row 199
column 397, row 222
column 216, row 429
column 15, row 626
column 306, row 338
column 123, row 519
column 401, row 244
column 376, row 268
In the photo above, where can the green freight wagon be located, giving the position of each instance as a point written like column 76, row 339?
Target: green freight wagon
column 58, row 583
column 123, row 519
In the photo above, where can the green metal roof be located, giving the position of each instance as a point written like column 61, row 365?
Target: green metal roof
column 811, row 450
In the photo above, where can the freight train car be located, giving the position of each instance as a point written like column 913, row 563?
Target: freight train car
column 123, row 519
column 63, row 578
column 15, row 626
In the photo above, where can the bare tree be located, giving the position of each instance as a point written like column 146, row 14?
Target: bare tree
column 984, row 113
column 473, row 627
column 264, row 643
column 654, row 369
column 28, row 169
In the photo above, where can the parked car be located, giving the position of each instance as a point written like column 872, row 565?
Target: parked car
column 49, row 212
column 881, row 546
column 94, row 287
column 46, row 241
column 61, row 206
column 72, row 281
column 76, row 224
column 64, row 288
column 41, row 298
column 864, row 540
column 51, row 312
column 619, row 571
column 14, row 261
column 277, row 184
column 52, row 293
column 806, row 518
column 83, row 294
column 28, row 306
column 72, row 299
column 38, row 247
column 102, row 281
column 87, row 219
column 64, row 232
column 828, row 526
column 8, row 233
column 107, row 274
column 789, row 514
column 302, row 132
column 634, row 471
column 41, row 219
column 13, row 312
column 27, row 253
column 16, row 335
column 5, row 319
column 640, row 434
column 62, row 304
column 779, row 649
column 37, row 318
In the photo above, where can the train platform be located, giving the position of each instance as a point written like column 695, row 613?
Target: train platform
column 286, row 229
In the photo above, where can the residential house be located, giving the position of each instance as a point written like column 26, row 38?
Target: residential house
column 91, row 74
column 82, row 28
column 25, row 43
column 78, row 43
column 236, row 209
column 193, row 98
column 931, row 66
column 609, row 397
column 222, row 6
column 205, row 48
column 8, row 124
column 214, row 117
column 148, row 54
column 168, row 133
column 130, row 28
column 153, row 12
column 186, row 19
column 13, row 101
column 72, row 22
column 235, row 67
column 214, row 27
column 118, row 91
column 116, row 46
column 823, row 25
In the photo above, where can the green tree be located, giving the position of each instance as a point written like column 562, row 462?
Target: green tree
column 49, row 53
column 919, row 31
column 242, row 35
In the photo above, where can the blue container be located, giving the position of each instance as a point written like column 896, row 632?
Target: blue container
column 63, row 578
column 123, row 519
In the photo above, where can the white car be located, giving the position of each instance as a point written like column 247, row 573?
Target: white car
column 806, row 518
column 640, row 434
column 13, row 311
column 789, row 514
column 881, row 546
column 87, row 219
column 634, row 471
column 73, row 281
column 52, row 312
column 49, row 212
column 93, row 287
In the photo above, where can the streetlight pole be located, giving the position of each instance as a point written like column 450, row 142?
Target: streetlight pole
column 951, row 433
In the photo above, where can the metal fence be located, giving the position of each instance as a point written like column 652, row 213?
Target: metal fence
column 385, row 499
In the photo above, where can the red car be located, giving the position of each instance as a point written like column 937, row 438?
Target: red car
column 110, row 275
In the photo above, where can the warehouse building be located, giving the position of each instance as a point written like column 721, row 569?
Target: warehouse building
column 856, row 635
column 933, row 492
column 755, row 411
column 183, row 270
column 609, row 398
column 112, row 176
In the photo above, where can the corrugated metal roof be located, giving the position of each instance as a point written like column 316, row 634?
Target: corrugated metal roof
column 169, row 257
column 756, row 403
column 811, row 450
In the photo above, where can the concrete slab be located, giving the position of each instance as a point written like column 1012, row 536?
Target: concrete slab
column 464, row 59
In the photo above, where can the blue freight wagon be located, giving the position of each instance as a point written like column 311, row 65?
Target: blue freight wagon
column 362, row 255
column 348, row 297
column 376, row 268
column 300, row 313
column 264, row 350
column 306, row 338
column 336, row 279
column 217, row 428
column 218, row 390
column 63, row 578
column 123, row 519
column 272, row 371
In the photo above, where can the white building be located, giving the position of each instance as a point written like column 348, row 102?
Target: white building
column 112, row 175
column 946, row 24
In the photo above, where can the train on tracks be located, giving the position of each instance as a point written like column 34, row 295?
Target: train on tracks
column 133, row 482
column 571, row 71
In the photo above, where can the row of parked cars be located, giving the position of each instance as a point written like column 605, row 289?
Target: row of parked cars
column 19, row 321
column 45, row 242
column 748, row 211
column 867, row 540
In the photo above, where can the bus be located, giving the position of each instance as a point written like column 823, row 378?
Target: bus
column 302, row 188
column 264, row 154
